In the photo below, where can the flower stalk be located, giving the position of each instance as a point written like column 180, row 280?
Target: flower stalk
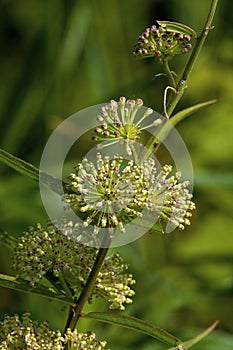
column 169, row 74
column 76, row 310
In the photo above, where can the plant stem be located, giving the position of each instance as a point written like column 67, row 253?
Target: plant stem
column 192, row 60
column 77, row 308
column 153, row 143
column 169, row 74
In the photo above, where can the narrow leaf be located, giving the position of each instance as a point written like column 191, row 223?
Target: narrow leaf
column 7, row 239
column 177, row 28
column 135, row 324
column 27, row 169
column 188, row 111
column 19, row 165
column 24, row 286
column 198, row 338
column 178, row 117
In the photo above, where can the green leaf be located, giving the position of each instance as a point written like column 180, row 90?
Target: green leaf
column 7, row 239
column 27, row 169
column 24, row 286
column 178, row 117
column 198, row 338
column 178, row 28
column 138, row 325
column 188, row 111
column 19, row 165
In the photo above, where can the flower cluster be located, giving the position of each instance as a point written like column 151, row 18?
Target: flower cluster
column 167, row 196
column 41, row 252
column 111, row 193
column 120, row 121
column 162, row 44
column 30, row 335
column 116, row 288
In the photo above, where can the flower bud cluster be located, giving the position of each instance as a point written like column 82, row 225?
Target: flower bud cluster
column 30, row 335
column 120, row 121
column 111, row 192
column 41, row 252
column 159, row 43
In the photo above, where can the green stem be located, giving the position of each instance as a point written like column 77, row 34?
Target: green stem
column 153, row 142
column 169, row 74
column 77, row 308
column 193, row 58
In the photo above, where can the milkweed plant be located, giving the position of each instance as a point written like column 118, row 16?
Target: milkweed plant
column 71, row 261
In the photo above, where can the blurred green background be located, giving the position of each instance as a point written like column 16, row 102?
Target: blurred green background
column 59, row 56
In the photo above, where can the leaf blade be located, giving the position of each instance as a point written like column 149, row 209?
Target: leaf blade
column 19, row 165
column 136, row 325
column 178, row 117
column 188, row 111
column 189, row 343
column 27, row 169
column 22, row 285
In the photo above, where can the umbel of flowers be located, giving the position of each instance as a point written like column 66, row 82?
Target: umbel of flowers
column 25, row 334
column 41, row 252
column 110, row 192
column 114, row 191
column 120, row 122
column 161, row 43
